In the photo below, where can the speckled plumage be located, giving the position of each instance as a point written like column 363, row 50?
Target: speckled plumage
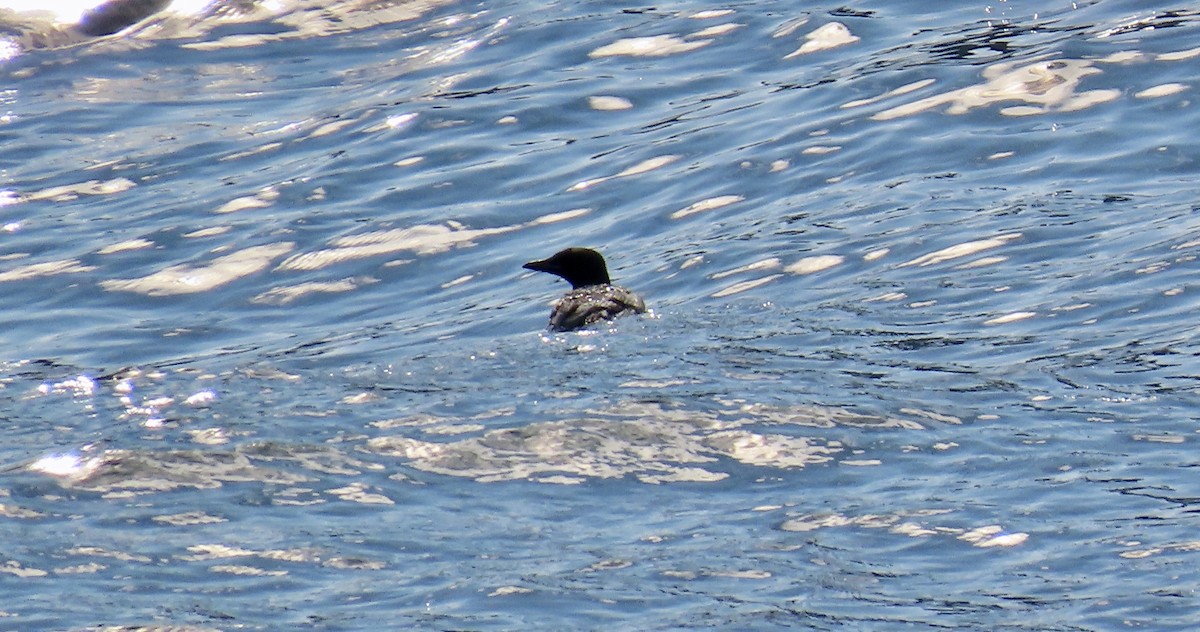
column 593, row 298
column 592, row 304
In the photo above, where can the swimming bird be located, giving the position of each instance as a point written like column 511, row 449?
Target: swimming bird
column 110, row 16
column 593, row 297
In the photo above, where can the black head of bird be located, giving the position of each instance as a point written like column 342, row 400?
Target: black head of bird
column 580, row 267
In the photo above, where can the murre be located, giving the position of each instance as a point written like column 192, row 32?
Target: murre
column 593, row 297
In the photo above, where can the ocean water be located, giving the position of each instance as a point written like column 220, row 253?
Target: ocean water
column 921, row 355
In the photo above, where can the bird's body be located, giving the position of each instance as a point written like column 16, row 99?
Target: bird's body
column 593, row 297
column 592, row 304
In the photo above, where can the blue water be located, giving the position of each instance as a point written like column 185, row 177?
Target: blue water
column 921, row 352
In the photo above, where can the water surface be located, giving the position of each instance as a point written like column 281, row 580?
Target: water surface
column 920, row 354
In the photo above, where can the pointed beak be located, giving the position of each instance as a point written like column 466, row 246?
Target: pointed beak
column 539, row 266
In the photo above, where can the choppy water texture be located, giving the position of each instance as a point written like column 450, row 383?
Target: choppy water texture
column 921, row 352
